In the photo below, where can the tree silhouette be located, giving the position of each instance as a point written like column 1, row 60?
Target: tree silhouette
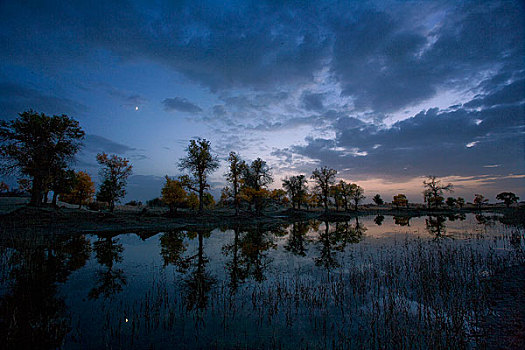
column 114, row 172
column 234, row 177
column 479, row 200
column 36, row 145
column 256, row 178
column 433, row 193
column 356, row 195
column 508, row 198
column 200, row 163
column 378, row 200
column 296, row 188
column 324, row 179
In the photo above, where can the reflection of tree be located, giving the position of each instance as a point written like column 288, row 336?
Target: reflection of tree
column 31, row 314
column 327, row 250
column 454, row 217
column 379, row 220
column 436, row 226
column 197, row 284
column 346, row 233
column 297, row 238
column 109, row 280
column 333, row 241
column 172, row 249
column 402, row 220
column 254, row 246
column 236, row 270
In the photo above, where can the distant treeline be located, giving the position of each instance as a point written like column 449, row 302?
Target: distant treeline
column 40, row 149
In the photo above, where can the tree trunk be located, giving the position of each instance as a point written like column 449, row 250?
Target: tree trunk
column 55, row 196
column 201, row 196
column 36, row 192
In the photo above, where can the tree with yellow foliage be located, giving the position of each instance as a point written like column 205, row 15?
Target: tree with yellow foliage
column 173, row 194
column 82, row 190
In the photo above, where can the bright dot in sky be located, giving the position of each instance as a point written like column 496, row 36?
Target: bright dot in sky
column 472, row 144
column 136, row 108
column 478, row 121
column 127, row 320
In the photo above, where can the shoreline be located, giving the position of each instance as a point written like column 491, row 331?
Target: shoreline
column 85, row 221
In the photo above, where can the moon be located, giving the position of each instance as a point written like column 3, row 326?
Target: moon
column 136, row 108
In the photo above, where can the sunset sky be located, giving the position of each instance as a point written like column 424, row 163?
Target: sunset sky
column 385, row 92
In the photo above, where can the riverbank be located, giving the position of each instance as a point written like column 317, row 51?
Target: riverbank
column 68, row 219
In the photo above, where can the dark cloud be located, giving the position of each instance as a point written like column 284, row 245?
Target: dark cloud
column 386, row 58
column 180, row 104
column 508, row 94
column 312, row 101
column 16, row 98
column 98, row 144
column 442, row 143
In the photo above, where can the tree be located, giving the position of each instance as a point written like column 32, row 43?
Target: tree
column 357, row 195
column 173, row 194
column 335, row 193
column 508, row 198
column 347, row 191
column 256, row 178
column 34, row 144
column 234, row 177
column 451, row 202
column 433, row 193
column 193, row 201
column 460, row 201
column 296, row 188
column 62, row 183
column 479, row 200
column 400, row 200
column 200, row 163
column 324, row 178
column 114, row 172
column 82, row 190
column 378, row 200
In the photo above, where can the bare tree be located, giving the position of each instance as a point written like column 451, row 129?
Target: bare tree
column 433, row 193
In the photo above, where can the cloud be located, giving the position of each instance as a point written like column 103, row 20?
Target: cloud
column 98, row 144
column 312, row 101
column 180, row 104
column 16, row 98
column 431, row 142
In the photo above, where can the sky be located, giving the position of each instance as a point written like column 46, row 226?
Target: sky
column 385, row 92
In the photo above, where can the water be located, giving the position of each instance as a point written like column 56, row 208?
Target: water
column 383, row 282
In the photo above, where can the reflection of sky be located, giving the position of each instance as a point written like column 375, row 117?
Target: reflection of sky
column 147, row 279
column 300, row 85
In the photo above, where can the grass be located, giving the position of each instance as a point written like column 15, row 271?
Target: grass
column 412, row 293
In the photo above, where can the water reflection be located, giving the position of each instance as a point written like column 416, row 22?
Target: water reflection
column 198, row 282
column 297, row 239
column 205, row 263
column 109, row 280
column 334, row 239
column 378, row 220
column 32, row 315
column 402, row 220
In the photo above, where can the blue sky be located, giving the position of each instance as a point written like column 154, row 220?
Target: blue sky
column 385, row 92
